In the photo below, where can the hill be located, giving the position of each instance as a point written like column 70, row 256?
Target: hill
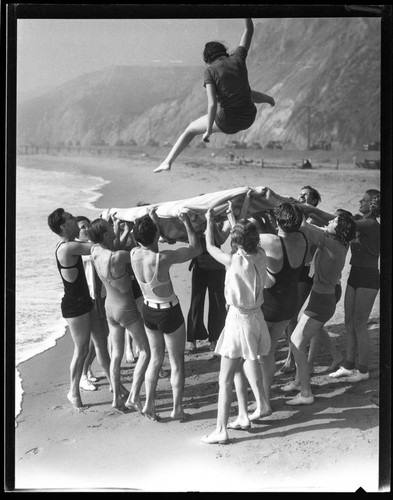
column 323, row 73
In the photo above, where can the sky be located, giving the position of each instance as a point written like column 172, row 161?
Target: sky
column 53, row 51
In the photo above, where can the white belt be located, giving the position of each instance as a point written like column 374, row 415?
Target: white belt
column 161, row 305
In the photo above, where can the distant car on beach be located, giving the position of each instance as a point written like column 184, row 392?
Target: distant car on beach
column 274, row 145
column 372, row 146
column 325, row 145
column 237, row 144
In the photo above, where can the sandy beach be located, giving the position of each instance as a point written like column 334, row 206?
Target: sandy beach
column 333, row 445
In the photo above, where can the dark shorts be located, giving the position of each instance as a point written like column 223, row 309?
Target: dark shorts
column 304, row 277
column 322, row 306
column 280, row 304
column 232, row 120
column 165, row 320
column 74, row 307
column 364, row 277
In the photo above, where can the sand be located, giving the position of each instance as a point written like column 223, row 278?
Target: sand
column 331, row 446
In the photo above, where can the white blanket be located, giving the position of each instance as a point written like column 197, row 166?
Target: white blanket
column 171, row 227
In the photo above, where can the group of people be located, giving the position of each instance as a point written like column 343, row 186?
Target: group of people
column 255, row 295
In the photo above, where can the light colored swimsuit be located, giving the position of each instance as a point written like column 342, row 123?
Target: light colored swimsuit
column 159, row 313
column 120, row 303
column 245, row 333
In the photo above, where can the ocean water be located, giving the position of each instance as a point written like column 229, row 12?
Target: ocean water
column 38, row 286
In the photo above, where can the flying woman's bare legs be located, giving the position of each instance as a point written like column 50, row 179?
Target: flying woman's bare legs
column 195, row 128
column 259, row 98
column 80, row 333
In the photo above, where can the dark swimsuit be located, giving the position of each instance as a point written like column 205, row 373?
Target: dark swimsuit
column 281, row 300
column 76, row 300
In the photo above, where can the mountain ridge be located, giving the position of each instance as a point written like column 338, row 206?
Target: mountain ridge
column 323, row 73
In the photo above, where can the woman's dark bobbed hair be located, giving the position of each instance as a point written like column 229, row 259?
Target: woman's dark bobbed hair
column 214, row 50
column 245, row 234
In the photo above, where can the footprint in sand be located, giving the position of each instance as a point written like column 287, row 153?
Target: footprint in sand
column 30, row 453
column 68, row 441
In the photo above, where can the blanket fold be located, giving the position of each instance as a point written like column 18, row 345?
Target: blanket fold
column 171, row 226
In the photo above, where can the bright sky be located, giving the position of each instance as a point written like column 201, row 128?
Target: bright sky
column 53, row 51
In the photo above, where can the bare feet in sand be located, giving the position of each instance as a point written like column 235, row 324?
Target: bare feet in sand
column 216, row 437
column 134, row 404
column 180, row 415
column 164, row 167
column 76, row 402
column 151, row 414
column 240, row 423
column 119, row 404
column 258, row 414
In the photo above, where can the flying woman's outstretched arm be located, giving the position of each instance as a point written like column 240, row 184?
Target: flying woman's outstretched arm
column 211, row 110
column 247, row 35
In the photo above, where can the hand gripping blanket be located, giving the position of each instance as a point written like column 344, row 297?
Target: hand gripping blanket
column 172, row 228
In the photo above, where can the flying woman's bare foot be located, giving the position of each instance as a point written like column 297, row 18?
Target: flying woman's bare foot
column 76, row 402
column 271, row 101
column 165, row 166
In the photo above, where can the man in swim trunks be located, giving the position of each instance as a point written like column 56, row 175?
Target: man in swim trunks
column 161, row 311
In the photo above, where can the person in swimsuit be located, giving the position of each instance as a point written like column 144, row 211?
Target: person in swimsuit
column 311, row 196
column 230, row 100
column 99, row 325
column 245, row 335
column 76, row 303
column 362, row 286
column 286, row 253
column 161, row 310
column 113, row 268
column 332, row 246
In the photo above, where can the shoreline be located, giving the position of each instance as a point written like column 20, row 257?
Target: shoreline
column 57, row 448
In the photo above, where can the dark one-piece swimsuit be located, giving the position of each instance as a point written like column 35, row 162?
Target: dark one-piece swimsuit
column 76, row 300
column 281, row 300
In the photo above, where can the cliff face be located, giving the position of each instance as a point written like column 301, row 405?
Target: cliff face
column 323, row 73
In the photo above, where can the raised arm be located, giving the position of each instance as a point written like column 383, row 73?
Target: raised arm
column 214, row 251
column 316, row 213
column 248, row 33
column 230, row 216
column 193, row 240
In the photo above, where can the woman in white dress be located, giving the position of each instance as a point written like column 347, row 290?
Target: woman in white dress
column 245, row 335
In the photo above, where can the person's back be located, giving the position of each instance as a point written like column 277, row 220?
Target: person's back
column 230, row 76
column 114, row 275
column 286, row 253
column 245, row 279
column 152, row 273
